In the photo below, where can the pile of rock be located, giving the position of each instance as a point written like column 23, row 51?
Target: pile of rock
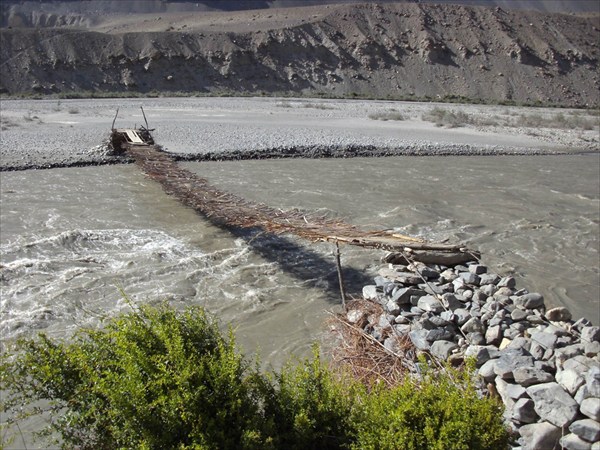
column 544, row 365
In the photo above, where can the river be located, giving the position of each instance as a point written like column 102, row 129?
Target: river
column 72, row 239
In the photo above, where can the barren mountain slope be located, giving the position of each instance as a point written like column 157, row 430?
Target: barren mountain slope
column 390, row 50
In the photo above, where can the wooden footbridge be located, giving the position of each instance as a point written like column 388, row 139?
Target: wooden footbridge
column 229, row 210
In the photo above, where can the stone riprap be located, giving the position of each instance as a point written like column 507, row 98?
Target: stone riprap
column 543, row 365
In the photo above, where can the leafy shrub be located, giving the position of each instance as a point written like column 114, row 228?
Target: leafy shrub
column 151, row 379
column 157, row 378
column 388, row 115
column 442, row 412
column 310, row 407
column 448, row 118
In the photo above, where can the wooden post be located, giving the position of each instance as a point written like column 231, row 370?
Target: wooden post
column 113, row 124
column 145, row 120
column 340, row 276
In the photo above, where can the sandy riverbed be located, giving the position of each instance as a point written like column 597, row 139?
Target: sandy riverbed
column 42, row 133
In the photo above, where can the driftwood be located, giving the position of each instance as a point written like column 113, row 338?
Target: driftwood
column 230, row 210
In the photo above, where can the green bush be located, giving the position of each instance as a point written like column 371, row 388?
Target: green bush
column 442, row 412
column 151, row 379
column 161, row 379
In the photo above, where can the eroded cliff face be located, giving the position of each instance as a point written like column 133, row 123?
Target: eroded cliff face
column 389, row 51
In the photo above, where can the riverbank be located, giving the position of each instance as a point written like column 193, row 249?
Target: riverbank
column 542, row 364
column 66, row 133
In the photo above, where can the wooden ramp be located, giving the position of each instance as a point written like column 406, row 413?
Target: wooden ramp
column 230, row 210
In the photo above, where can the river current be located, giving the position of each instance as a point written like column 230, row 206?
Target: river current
column 72, row 239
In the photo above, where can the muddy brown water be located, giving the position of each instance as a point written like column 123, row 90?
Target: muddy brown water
column 71, row 238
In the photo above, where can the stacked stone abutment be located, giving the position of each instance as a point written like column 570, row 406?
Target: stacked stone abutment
column 542, row 364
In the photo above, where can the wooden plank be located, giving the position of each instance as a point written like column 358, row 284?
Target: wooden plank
column 134, row 137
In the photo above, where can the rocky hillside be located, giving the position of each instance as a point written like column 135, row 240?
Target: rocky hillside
column 391, row 50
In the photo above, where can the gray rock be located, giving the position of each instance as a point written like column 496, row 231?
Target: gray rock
column 392, row 307
column 355, row 316
column 479, row 352
column 523, row 411
column 470, row 278
column 535, row 319
column 430, row 303
column 540, row 436
column 407, row 278
column 370, row 292
column 402, row 295
column 418, row 338
column 591, row 407
column 558, row 314
column 438, row 321
column 556, row 329
column 582, row 393
column 509, row 361
column 473, row 325
column 528, row 376
column 530, row 301
column 477, row 269
column 400, row 319
column 493, row 335
column 488, row 278
column 427, row 272
column 592, row 349
column 590, row 334
column 380, row 281
column 449, row 275
column 570, row 351
column 450, row 301
column 476, row 338
column 570, row 380
column 462, row 316
column 536, row 350
column 546, row 340
column 442, row 349
column 503, row 294
column 402, row 328
column 553, row 404
column 448, row 316
column 439, row 334
column 520, row 343
column 586, row 429
column 518, row 315
column 592, row 381
column 583, row 364
column 486, row 371
column 508, row 282
column 574, row 442
column 488, row 290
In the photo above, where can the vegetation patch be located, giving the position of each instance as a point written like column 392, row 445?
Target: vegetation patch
column 157, row 378
column 392, row 114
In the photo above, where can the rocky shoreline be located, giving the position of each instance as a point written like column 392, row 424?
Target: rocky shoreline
column 543, row 365
column 102, row 155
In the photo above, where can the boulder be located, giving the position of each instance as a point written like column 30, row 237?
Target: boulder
column 442, row 349
column 591, row 408
column 540, row 436
column 553, row 404
column 574, row 442
column 586, row 429
column 528, row 376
